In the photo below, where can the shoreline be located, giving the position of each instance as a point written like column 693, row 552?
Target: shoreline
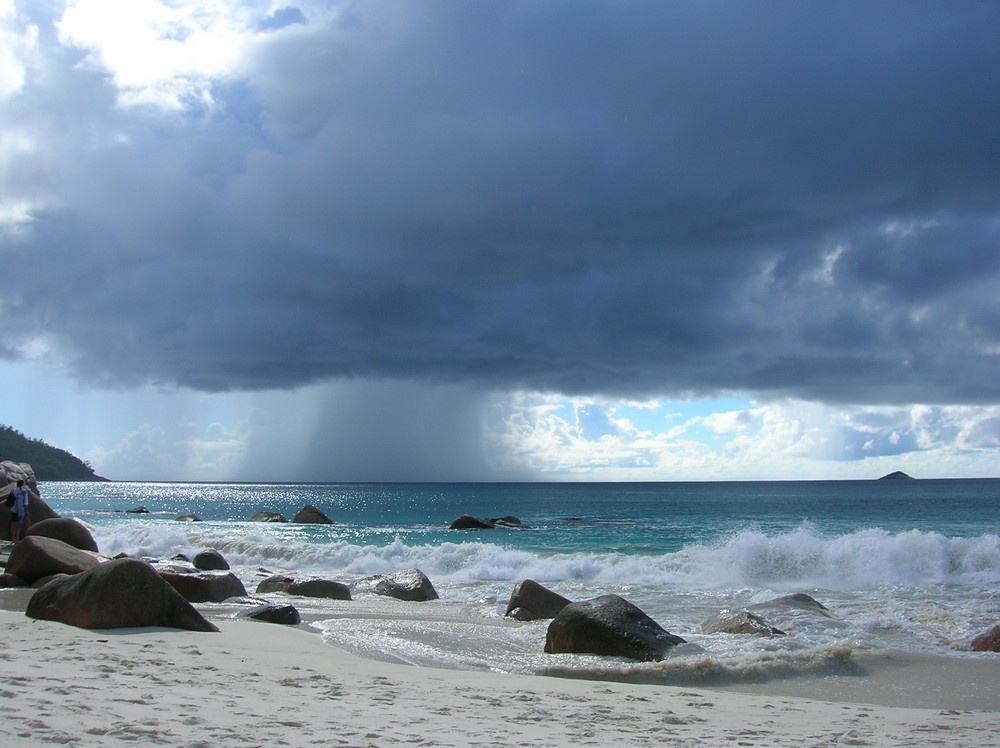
column 255, row 683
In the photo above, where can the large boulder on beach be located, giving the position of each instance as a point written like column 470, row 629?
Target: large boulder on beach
column 530, row 601
column 123, row 593
column 739, row 622
column 310, row 515
column 205, row 587
column 8, row 581
column 38, row 510
column 268, row 517
column 70, row 531
column 325, row 588
column 988, row 641
column 37, row 556
column 210, row 560
column 608, row 625
column 406, row 584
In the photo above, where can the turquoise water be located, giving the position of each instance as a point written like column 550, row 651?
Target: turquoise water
column 911, row 565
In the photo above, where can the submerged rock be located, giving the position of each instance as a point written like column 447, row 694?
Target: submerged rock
column 739, row 622
column 608, row 625
column 797, row 600
column 189, row 518
column 267, row 517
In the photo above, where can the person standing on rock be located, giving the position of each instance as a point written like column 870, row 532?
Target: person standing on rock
column 18, row 512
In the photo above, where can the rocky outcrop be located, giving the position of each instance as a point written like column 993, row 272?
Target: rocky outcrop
column 739, row 622
column 117, row 594
column 137, row 510
column 205, row 587
column 530, row 601
column 407, row 584
column 69, row 531
column 268, row 517
column 988, row 641
column 283, row 614
column 310, row 515
column 189, row 518
column 210, row 560
column 36, row 557
column 325, row 588
column 38, row 510
column 468, row 522
column 608, row 625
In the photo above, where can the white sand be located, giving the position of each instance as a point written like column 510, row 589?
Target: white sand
column 258, row 684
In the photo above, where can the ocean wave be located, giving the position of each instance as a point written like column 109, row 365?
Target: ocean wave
column 801, row 558
column 708, row 670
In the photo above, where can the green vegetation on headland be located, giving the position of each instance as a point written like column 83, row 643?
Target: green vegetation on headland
column 49, row 463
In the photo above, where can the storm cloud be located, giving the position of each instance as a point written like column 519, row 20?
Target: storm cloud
column 786, row 199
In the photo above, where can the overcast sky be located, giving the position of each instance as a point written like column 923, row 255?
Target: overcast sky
column 502, row 240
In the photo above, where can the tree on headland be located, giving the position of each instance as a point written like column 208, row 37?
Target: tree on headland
column 49, row 463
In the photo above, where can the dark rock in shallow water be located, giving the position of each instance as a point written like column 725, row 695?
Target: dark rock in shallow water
column 189, row 518
column 210, row 560
column 117, row 594
column 67, row 530
column 798, row 600
column 407, row 584
column 275, row 583
column 310, row 515
column 507, row 521
column 530, row 601
column 137, row 510
column 283, row 614
column 739, row 622
column 37, row 556
column 468, row 522
column 325, row 588
column 988, row 641
column 608, row 625
column 267, row 517
column 11, row 580
column 206, row 587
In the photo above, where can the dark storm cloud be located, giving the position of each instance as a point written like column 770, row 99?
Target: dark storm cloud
column 785, row 198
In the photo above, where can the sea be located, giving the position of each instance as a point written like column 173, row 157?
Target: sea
column 910, row 566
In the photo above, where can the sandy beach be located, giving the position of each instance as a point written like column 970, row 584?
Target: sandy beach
column 263, row 684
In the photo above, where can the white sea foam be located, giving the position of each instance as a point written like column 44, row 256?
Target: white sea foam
column 802, row 558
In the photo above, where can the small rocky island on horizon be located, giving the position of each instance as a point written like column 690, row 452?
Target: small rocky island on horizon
column 897, row 475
